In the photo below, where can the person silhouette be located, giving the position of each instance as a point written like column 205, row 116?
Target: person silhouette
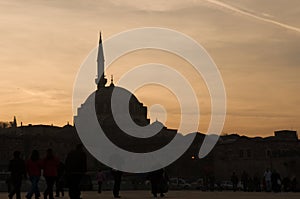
column 17, row 171
column 163, row 185
column 117, row 175
column 294, row 184
column 59, row 182
column 245, row 181
column 234, row 180
column 50, row 166
column 158, row 183
column 276, row 181
column 100, row 179
column 76, row 166
column 268, row 179
column 34, row 167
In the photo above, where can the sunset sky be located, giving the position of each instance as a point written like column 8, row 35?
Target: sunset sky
column 255, row 44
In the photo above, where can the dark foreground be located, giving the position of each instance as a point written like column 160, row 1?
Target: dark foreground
column 185, row 194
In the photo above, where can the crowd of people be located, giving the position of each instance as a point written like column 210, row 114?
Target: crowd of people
column 71, row 172
column 270, row 181
column 159, row 181
column 53, row 171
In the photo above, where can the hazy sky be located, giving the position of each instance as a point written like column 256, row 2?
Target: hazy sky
column 255, row 43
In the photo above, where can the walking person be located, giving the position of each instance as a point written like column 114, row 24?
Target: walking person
column 234, row 180
column 33, row 167
column 100, row 179
column 59, row 182
column 155, row 179
column 256, row 182
column 286, row 184
column 212, row 181
column 75, row 169
column 294, row 184
column 245, row 181
column 163, row 185
column 268, row 179
column 17, row 171
column 276, row 181
column 50, row 166
column 117, row 175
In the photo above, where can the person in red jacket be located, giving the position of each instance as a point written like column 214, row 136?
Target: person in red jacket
column 50, row 166
column 33, row 168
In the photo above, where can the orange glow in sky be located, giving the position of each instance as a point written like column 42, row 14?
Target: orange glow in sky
column 43, row 44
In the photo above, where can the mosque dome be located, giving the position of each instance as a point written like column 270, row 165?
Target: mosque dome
column 137, row 110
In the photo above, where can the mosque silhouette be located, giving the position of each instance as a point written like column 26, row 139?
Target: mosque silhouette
column 137, row 111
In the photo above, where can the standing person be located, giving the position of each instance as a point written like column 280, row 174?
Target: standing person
column 155, row 178
column 212, row 181
column 268, row 179
column 256, row 182
column 59, row 182
column 33, row 167
column 75, row 169
column 50, row 166
column 17, row 170
column 294, row 184
column 117, row 182
column 286, row 184
column 234, row 180
column 245, row 180
column 250, row 184
column 163, row 186
column 276, row 181
column 100, row 179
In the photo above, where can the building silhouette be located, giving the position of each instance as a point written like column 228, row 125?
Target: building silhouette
column 137, row 112
column 232, row 153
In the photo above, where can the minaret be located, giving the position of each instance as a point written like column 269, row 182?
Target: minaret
column 100, row 80
column 111, row 81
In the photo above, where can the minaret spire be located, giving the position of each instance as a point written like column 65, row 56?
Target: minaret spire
column 101, row 80
column 100, row 38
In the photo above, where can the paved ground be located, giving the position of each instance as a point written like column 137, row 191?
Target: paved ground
column 186, row 195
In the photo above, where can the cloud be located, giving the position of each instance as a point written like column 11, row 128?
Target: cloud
column 44, row 42
column 253, row 15
column 156, row 5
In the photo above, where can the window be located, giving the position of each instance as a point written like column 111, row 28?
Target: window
column 268, row 153
column 241, row 153
column 248, row 153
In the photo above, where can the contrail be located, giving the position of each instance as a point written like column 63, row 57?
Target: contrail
column 224, row 5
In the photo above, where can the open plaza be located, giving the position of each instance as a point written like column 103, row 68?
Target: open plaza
column 184, row 195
